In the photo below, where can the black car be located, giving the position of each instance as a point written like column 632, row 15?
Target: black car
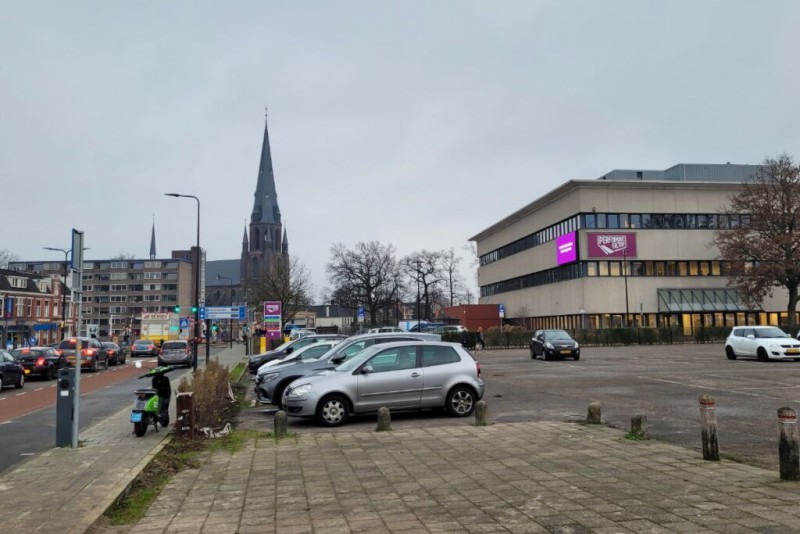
column 11, row 371
column 92, row 356
column 116, row 353
column 43, row 362
column 550, row 344
column 287, row 348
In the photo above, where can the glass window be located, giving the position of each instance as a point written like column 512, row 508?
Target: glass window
column 723, row 222
column 438, row 355
column 602, row 268
column 693, row 270
column 623, row 220
column 669, row 221
column 612, row 220
column 660, row 269
column 648, row 268
column 716, row 270
column 705, row 268
column 679, row 221
column 615, row 268
column 646, row 222
column 657, row 221
column 591, row 268
column 590, row 221
column 691, row 221
column 637, row 268
column 670, row 268
column 683, row 268
column 601, row 220
column 702, row 221
column 636, row 220
column 394, row 359
column 712, row 222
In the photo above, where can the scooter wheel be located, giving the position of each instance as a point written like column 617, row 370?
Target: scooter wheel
column 140, row 429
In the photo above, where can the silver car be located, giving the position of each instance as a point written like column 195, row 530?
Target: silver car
column 175, row 353
column 400, row 376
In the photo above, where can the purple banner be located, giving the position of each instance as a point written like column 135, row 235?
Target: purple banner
column 612, row 245
column 567, row 248
column 272, row 319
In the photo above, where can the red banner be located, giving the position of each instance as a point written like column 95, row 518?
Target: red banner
column 612, row 245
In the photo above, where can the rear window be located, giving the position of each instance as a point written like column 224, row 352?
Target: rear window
column 438, row 355
column 67, row 344
column 141, row 342
column 172, row 345
column 27, row 352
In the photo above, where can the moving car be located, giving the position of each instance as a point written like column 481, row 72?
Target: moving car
column 93, row 355
column 43, row 362
column 116, row 353
column 176, row 353
column 270, row 386
column 762, row 342
column 407, row 375
column 11, row 371
column 287, row 348
column 144, row 347
column 550, row 344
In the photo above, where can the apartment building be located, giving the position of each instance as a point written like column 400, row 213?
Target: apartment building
column 32, row 312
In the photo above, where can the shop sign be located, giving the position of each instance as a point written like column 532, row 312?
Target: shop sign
column 567, row 248
column 612, row 245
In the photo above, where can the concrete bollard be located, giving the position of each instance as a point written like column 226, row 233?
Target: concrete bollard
column 481, row 413
column 787, row 444
column 280, row 424
column 708, row 428
column 639, row 426
column 594, row 413
column 384, row 420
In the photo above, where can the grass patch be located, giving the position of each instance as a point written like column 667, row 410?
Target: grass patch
column 134, row 501
column 635, row 436
column 238, row 371
column 233, row 442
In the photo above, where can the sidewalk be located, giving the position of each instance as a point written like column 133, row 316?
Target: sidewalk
column 515, row 477
column 66, row 490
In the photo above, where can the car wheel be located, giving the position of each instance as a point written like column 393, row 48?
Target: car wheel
column 1, row 382
column 460, row 401
column 762, row 354
column 94, row 365
column 20, row 382
column 576, row 357
column 51, row 373
column 533, row 355
column 544, row 355
column 729, row 353
column 333, row 410
column 106, row 365
column 277, row 395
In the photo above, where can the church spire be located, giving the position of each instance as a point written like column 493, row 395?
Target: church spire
column 245, row 242
column 265, row 205
column 153, row 240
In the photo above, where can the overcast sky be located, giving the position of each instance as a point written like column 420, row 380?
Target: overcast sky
column 415, row 123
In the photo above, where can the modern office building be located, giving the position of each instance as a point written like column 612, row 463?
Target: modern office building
column 630, row 248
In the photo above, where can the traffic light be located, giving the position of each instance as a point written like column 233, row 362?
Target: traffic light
column 177, row 309
column 194, row 309
column 214, row 328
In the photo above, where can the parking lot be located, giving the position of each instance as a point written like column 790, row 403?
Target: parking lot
column 664, row 382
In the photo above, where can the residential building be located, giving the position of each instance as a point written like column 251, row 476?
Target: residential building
column 630, row 248
column 33, row 307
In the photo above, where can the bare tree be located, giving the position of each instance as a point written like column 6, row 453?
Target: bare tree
column 288, row 281
column 364, row 276
column 450, row 263
column 764, row 247
column 424, row 268
column 7, row 256
column 124, row 256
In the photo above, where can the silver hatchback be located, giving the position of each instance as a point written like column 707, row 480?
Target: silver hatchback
column 175, row 353
column 404, row 375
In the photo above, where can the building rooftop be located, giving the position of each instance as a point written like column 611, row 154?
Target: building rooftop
column 688, row 172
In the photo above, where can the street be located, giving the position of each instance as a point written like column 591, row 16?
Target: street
column 664, row 382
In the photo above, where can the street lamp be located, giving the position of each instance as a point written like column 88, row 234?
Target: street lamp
column 230, row 321
column 625, row 275
column 196, row 283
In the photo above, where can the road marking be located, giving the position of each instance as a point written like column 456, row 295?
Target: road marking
column 27, row 453
column 20, row 394
column 38, row 389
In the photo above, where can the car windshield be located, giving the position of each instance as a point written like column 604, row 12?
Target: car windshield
column 109, row 345
column 141, row 342
column 283, row 347
column 69, row 344
column 355, row 361
column 174, row 345
column 559, row 335
column 770, row 332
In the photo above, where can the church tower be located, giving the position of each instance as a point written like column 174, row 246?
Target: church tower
column 266, row 234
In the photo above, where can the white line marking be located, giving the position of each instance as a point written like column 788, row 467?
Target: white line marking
column 20, row 394
column 38, row 389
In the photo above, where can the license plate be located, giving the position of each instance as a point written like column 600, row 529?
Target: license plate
column 566, row 351
column 792, row 351
column 27, row 371
column 136, row 417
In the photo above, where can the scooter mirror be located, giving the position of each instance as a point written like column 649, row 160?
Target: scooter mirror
column 138, row 364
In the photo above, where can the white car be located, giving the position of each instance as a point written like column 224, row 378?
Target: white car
column 309, row 352
column 762, row 342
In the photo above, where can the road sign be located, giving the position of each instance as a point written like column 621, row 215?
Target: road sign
column 222, row 312
column 184, row 322
column 360, row 314
column 502, row 311
column 33, row 341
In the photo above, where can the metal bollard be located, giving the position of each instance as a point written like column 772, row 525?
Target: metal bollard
column 481, row 413
column 708, row 427
column 639, row 426
column 384, row 420
column 787, row 444
column 593, row 415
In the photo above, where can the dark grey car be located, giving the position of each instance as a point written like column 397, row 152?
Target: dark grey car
column 270, row 386
column 175, row 353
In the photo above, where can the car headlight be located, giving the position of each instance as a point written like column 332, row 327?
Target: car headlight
column 773, row 346
column 549, row 345
column 300, row 390
column 577, row 346
column 267, row 377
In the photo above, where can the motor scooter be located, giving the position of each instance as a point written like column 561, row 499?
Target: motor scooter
column 151, row 406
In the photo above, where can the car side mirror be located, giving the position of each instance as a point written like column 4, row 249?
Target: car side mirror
column 367, row 369
column 338, row 359
column 290, row 350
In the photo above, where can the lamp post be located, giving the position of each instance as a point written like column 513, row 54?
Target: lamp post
column 196, row 284
column 230, row 321
column 625, row 276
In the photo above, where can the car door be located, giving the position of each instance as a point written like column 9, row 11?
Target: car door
column 538, row 342
column 102, row 354
column 746, row 343
column 392, row 378
column 437, row 369
column 10, row 368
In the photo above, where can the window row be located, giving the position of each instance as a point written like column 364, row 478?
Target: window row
column 533, row 240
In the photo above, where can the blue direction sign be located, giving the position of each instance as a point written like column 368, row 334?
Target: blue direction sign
column 502, row 311
column 223, row 312
column 360, row 314
column 242, row 313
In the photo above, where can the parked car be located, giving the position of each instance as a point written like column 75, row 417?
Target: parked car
column 408, row 375
column 144, row 347
column 270, row 386
column 116, row 353
column 43, row 362
column 762, row 342
column 383, row 329
column 550, row 344
column 11, row 371
column 93, row 355
column 176, row 353
column 287, row 348
column 309, row 352
column 449, row 329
